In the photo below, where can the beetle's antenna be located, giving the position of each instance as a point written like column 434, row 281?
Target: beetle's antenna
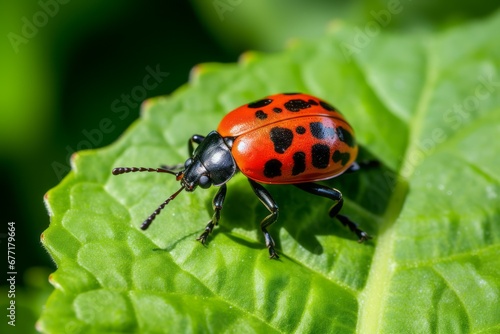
column 123, row 170
column 178, row 176
column 150, row 219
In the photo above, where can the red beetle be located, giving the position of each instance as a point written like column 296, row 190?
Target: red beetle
column 288, row 138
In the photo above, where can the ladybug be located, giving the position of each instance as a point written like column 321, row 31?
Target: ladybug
column 291, row 138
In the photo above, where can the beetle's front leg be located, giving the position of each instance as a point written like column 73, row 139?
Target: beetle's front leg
column 195, row 139
column 217, row 203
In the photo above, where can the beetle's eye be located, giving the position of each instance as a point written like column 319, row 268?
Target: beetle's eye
column 205, row 182
column 188, row 162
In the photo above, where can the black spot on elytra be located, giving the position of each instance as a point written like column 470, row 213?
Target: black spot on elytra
column 346, row 137
column 342, row 157
column 318, row 130
column 320, row 156
column 260, row 103
column 277, row 110
column 296, row 105
column 299, row 163
column 327, row 106
column 282, row 139
column 300, row 130
column 272, row 168
column 312, row 102
column 260, row 114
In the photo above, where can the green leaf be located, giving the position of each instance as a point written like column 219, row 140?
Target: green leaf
column 427, row 106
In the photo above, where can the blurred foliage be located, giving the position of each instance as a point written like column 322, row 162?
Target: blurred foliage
column 266, row 25
column 61, row 81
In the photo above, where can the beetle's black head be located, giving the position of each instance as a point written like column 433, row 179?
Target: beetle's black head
column 211, row 164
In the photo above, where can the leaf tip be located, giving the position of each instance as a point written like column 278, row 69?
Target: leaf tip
column 247, row 57
column 195, row 73
column 146, row 104
column 51, row 278
column 54, row 283
column 46, row 201
column 73, row 159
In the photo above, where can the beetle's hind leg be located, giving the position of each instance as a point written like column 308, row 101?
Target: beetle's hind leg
column 217, row 203
column 266, row 199
column 334, row 194
column 366, row 164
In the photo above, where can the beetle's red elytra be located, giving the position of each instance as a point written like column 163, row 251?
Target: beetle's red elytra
column 290, row 139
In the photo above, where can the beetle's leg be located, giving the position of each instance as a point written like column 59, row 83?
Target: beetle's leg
column 173, row 168
column 217, row 203
column 334, row 194
column 353, row 168
column 195, row 139
column 266, row 199
column 356, row 166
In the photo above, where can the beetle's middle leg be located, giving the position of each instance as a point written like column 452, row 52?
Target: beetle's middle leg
column 266, row 199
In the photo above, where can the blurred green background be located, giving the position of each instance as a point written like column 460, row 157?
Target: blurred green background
column 73, row 75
